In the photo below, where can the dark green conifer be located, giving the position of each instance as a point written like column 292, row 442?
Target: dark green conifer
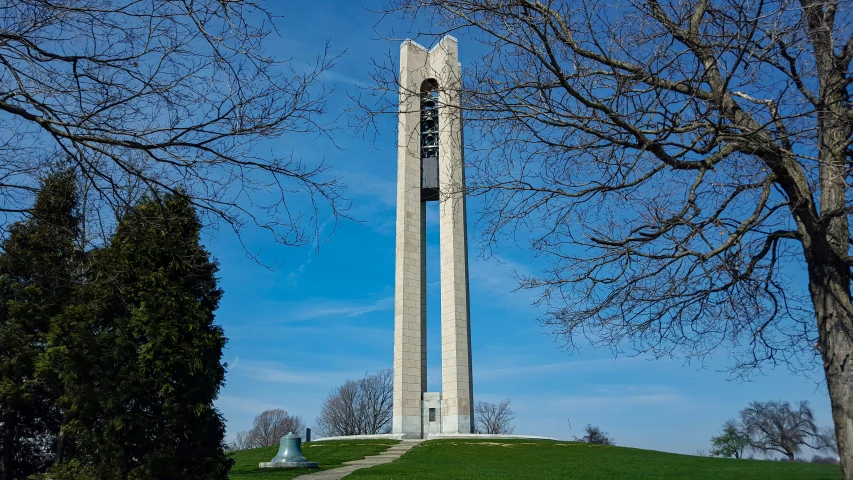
column 139, row 353
column 37, row 276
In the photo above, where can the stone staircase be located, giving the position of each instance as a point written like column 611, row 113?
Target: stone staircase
column 387, row 456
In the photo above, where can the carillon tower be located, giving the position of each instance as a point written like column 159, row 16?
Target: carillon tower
column 430, row 169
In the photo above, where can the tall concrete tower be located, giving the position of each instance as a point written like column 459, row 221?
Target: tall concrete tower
column 429, row 168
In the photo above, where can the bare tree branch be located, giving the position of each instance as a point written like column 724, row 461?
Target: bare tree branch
column 146, row 96
column 682, row 167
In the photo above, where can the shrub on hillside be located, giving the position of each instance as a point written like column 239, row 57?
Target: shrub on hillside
column 596, row 436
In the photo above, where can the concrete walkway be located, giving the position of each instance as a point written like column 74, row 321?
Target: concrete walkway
column 387, row 456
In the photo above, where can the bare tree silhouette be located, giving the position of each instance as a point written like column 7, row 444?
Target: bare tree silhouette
column 146, row 97
column 361, row 407
column 494, row 418
column 679, row 163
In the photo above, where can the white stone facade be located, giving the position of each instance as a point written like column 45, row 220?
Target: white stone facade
column 417, row 66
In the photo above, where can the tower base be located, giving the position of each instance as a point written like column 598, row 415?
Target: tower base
column 432, row 420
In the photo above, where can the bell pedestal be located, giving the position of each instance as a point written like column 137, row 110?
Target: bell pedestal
column 289, row 465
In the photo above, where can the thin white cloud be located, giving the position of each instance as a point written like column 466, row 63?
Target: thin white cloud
column 236, row 404
column 293, row 276
column 309, row 68
column 366, row 184
column 619, row 396
column 528, row 370
column 373, row 189
column 276, row 373
column 349, row 331
column 496, row 278
column 317, row 308
column 338, row 77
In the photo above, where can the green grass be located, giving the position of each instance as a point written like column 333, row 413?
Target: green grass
column 331, row 454
column 543, row 459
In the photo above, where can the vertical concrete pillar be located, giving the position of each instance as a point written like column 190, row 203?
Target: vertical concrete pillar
column 410, row 272
column 456, row 381
column 439, row 66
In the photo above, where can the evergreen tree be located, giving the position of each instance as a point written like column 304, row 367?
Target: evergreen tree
column 37, row 271
column 139, row 354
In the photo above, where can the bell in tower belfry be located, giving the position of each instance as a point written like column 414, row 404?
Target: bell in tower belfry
column 429, row 141
column 430, row 168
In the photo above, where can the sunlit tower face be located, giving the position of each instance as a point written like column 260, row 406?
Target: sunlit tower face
column 430, row 168
column 429, row 141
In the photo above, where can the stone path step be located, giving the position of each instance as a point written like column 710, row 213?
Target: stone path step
column 387, row 456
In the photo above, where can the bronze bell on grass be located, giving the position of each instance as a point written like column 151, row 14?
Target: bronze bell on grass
column 290, row 450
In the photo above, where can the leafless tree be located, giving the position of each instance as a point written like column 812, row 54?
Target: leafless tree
column 338, row 414
column 239, row 442
column 828, row 440
column 683, row 164
column 593, row 434
column 267, row 430
column 494, row 418
column 271, row 425
column 777, row 427
column 144, row 96
column 377, row 396
column 360, row 407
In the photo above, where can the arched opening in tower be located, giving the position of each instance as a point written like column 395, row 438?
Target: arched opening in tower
column 429, row 153
column 429, row 128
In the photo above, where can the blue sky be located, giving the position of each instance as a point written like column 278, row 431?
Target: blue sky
column 326, row 315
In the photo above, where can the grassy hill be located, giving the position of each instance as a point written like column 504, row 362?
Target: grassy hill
column 532, row 459
column 329, row 454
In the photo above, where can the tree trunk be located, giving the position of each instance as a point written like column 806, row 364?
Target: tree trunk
column 826, row 245
column 829, row 284
column 60, row 441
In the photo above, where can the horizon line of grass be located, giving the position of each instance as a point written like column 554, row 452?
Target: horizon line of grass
column 463, row 459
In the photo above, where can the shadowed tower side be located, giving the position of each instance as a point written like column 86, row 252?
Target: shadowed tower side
column 430, row 168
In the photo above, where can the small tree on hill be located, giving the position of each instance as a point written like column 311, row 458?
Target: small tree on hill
column 360, row 407
column 731, row 442
column 239, row 442
column 494, row 418
column 139, row 354
column 36, row 280
column 594, row 435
